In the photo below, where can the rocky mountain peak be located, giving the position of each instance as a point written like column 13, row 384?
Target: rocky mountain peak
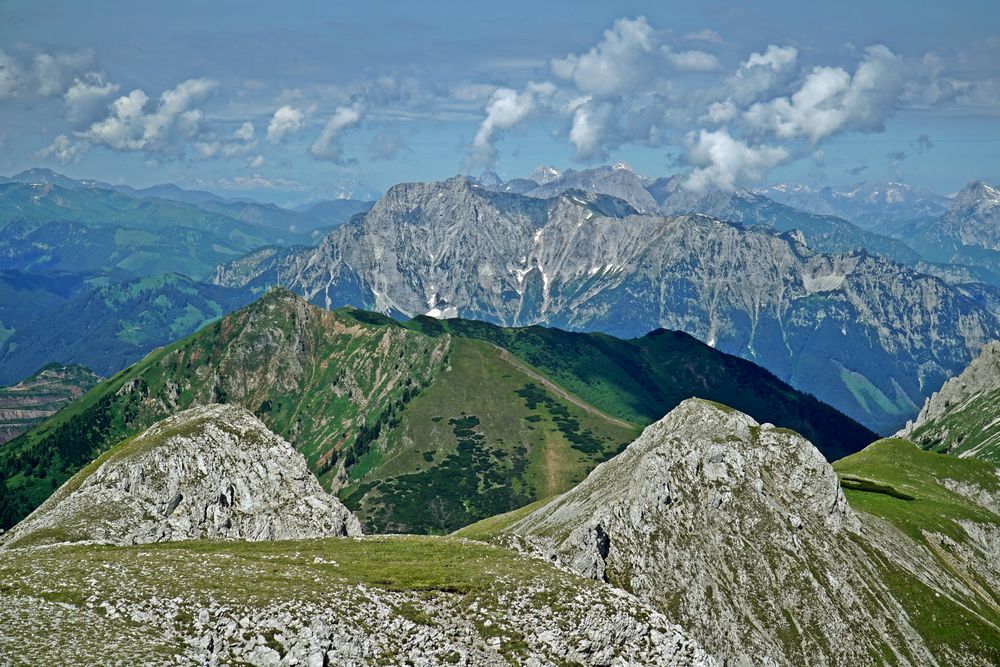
column 977, row 196
column 214, row 471
column 544, row 174
column 981, row 375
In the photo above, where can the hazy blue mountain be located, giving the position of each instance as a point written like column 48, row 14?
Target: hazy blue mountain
column 45, row 227
column 869, row 204
column 335, row 212
column 99, row 322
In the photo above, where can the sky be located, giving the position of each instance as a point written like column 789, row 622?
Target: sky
column 295, row 101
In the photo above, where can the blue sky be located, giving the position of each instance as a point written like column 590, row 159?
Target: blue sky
column 289, row 101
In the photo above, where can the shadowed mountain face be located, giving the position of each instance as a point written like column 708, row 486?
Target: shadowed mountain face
column 866, row 335
column 423, row 428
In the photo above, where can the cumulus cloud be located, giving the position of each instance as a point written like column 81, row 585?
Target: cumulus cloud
column 589, row 129
column 176, row 119
column 630, row 55
column 624, row 57
column 722, row 161
column 285, row 121
column 42, row 74
column 830, row 100
column 704, row 35
column 757, row 77
column 64, row 149
column 54, row 71
column 327, row 145
column 691, row 61
column 241, row 142
column 622, row 90
column 505, row 109
column 87, row 99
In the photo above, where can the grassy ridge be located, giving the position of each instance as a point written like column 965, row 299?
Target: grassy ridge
column 641, row 379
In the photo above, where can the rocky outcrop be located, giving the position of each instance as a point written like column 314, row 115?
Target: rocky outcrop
column 983, row 374
column 209, row 472
column 963, row 417
column 740, row 532
column 820, row 322
column 323, row 602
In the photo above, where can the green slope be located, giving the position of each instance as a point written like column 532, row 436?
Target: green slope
column 971, row 429
column 416, row 432
column 103, row 323
column 49, row 228
column 947, row 506
column 347, row 389
column 641, row 379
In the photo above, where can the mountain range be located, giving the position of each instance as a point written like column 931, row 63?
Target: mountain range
column 419, row 428
column 602, row 514
column 869, row 336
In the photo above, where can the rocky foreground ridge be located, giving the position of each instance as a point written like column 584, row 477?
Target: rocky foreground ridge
column 208, row 472
column 741, row 533
column 217, row 472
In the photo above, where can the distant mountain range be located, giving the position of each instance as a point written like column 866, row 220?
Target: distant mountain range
column 100, row 322
column 869, row 204
column 821, row 301
column 865, row 334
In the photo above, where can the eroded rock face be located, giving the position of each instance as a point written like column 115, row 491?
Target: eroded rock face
column 208, row 472
column 982, row 374
column 741, row 533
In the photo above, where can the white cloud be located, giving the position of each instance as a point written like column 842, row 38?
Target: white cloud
column 722, row 161
column 691, row 61
column 42, row 74
column 54, row 72
column 589, row 128
column 761, row 75
column 627, row 55
column 87, row 99
column 11, row 76
column 830, row 100
column 505, row 109
column 165, row 130
column 257, row 162
column 285, row 121
column 327, row 147
column 64, row 150
column 704, row 35
column 245, row 132
column 241, row 142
